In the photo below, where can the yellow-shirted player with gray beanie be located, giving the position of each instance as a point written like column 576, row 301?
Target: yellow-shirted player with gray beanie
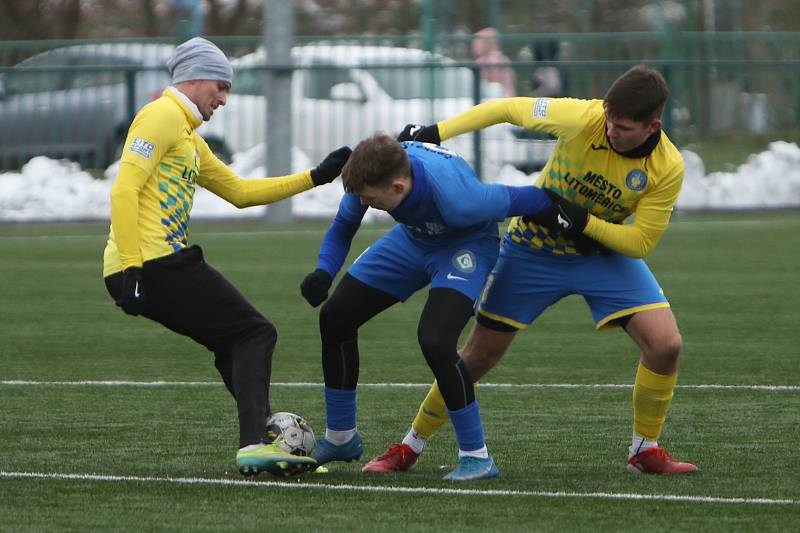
column 148, row 265
column 611, row 162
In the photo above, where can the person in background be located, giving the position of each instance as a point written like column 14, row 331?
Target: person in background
column 546, row 80
column 495, row 65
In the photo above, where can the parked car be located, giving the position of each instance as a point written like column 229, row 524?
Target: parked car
column 76, row 102
column 342, row 94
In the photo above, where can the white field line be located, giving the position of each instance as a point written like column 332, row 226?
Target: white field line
column 121, row 383
column 403, row 490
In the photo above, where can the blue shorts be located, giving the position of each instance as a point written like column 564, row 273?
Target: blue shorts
column 400, row 265
column 525, row 281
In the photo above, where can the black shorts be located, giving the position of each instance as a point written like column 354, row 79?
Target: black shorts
column 188, row 296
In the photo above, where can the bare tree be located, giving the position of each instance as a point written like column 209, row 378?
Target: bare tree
column 39, row 19
column 66, row 19
column 222, row 21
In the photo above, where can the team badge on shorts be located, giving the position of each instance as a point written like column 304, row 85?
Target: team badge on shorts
column 636, row 180
column 464, row 260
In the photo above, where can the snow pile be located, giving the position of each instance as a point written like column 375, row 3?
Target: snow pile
column 50, row 190
column 768, row 179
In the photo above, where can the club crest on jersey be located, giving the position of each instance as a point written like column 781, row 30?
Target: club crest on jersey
column 464, row 260
column 636, row 180
column 143, row 148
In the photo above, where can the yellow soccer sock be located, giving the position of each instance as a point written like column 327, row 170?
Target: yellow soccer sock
column 652, row 394
column 432, row 413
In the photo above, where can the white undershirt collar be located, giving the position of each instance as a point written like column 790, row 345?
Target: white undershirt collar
column 185, row 99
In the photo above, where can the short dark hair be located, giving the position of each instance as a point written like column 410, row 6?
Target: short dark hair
column 639, row 94
column 376, row 161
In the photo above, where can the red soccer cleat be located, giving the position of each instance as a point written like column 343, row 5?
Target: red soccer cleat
column 398, row 458
column 657, row 461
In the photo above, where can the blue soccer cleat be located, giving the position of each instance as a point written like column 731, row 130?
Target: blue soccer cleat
column 325, row 451
column 470, row 468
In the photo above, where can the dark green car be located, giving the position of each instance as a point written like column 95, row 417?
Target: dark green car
column 76, row 102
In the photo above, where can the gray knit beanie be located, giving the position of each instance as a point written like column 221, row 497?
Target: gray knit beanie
column 199, row 59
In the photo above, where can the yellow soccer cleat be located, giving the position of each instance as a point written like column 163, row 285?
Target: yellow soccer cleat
column 270, row 458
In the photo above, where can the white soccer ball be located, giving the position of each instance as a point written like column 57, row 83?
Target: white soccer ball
column 291, row 432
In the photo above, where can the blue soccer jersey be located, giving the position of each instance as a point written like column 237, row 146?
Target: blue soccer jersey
column 447, row 231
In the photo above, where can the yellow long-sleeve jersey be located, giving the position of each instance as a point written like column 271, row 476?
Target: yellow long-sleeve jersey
column 585, row 170
column 162, row 162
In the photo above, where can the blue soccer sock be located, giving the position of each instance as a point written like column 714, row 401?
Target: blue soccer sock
column 340, row 408
column 468, row 427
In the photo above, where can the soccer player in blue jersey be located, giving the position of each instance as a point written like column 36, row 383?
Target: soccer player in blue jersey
column 446, row 237
column 615, row 177
column 151, row 270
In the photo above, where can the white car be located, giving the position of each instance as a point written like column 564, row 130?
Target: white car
column 341, row 94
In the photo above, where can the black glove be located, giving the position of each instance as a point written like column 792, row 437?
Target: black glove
column 568, row 218
column 132, row 297
column 314, row 287
column 331, row 166
column 418, row 132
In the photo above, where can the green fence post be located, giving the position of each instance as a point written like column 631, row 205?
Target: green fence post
column 476, row 135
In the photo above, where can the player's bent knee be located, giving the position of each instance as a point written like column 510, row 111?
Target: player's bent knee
column 264, row 335
column 663, row 356
column 668, row 347
column 333, row 321
column 328, row 315
column 269, row 334
column 671, row 349
column 435, row 342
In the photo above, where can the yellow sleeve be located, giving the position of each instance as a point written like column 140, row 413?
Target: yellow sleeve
column 650, row 220
column 558, row 116
column 218, row 178
column 125, row 213
column 154, row 131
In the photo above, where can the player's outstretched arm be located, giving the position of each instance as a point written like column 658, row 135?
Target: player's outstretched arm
column 223, row 181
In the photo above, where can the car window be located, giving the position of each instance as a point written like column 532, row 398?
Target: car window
column 88, row 72
column 318, row 82
column 20, row 81
column 420, row 82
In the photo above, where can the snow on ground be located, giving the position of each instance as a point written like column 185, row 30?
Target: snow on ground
column 50, row 190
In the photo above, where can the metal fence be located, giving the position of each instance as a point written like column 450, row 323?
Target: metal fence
column 731, row 93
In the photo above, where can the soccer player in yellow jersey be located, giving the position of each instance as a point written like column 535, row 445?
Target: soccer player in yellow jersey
column 150, row 269
column 612, row 162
